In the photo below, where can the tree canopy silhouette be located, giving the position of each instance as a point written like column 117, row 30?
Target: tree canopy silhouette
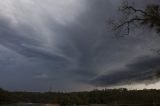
column 132, row 16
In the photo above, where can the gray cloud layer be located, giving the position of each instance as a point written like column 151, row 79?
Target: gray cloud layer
column 75, row 52
column 144, row 70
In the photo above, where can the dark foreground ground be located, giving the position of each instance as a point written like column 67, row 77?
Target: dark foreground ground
column 29, row 104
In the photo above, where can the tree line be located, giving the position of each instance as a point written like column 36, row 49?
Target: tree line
column 106, row 96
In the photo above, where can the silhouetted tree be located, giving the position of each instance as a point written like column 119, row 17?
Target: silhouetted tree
column 131, row 16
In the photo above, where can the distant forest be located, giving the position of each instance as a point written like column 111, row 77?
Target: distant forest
column 106, row 96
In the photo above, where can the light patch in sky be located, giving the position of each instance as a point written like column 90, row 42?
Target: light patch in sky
column 41, row 76
column 155, row 85
column 37, row 13
column 62, row 11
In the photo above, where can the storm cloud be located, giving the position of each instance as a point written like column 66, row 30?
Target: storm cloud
column 143, row 70
column 67, row 46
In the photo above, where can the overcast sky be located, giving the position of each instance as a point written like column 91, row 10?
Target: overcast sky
column 66, row 45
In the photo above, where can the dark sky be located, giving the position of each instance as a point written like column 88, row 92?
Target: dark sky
column 66, row 45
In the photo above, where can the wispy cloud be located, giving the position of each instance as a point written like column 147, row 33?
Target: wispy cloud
column 69, row 41
column 41, row 76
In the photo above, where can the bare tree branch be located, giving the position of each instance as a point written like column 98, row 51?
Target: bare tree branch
column 149, row 16
column 135, row 10
column 128, row 22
